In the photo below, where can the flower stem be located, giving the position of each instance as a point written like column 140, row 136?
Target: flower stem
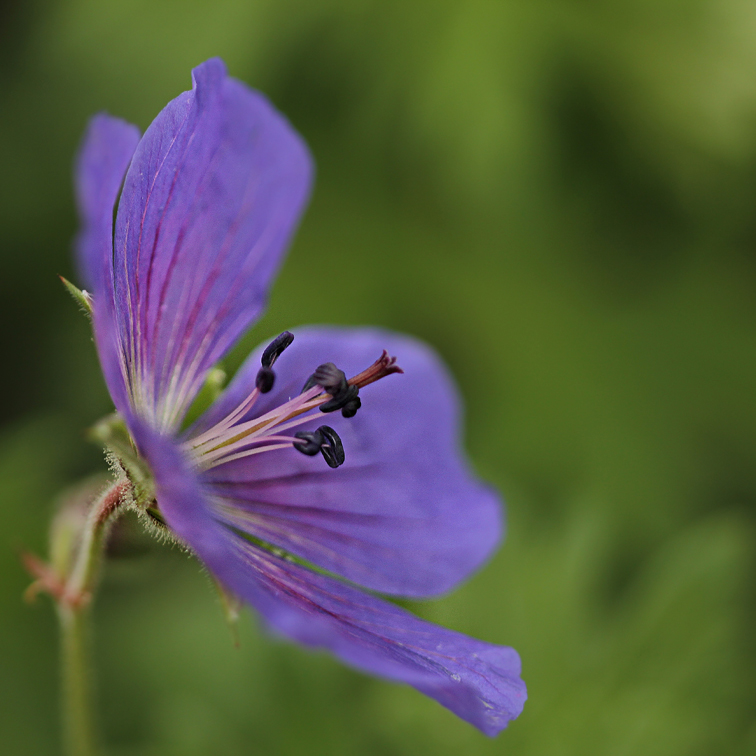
column 76, row 681
column 74, row 611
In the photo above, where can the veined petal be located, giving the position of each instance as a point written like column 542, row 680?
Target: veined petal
column 106, row 151
column 210, row 202
column 403, row 515
column 478, row 681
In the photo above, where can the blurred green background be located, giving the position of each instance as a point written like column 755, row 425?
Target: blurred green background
column 561, row 198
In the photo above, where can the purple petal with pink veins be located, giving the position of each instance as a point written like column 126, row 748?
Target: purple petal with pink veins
column 214, row 192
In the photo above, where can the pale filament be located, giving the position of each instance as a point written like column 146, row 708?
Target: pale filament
column 230, row 434
column 220, row 454
column 280, row 442
column 250, row 452
column 221, row 427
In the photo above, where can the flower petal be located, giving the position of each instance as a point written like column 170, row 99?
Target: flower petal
column 478, row 681
column 106, row 151
column 402, row 515
column 212, row 197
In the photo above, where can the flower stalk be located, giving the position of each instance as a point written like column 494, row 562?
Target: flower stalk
column 77, row 714
column 70, row 580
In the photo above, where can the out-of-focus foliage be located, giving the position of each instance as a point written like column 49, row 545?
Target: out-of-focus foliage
column 561, row 197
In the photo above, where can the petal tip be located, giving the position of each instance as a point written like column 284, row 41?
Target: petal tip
column 209, row 75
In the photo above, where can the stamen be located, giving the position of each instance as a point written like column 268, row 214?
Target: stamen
column 249, row 447
column 265, row 380
column 324, row 440
column 265, row 376
column 326, row 390
column 250, row 452
column 329, row 377
column 346, row 397
column 274, row 350
column 296, row 406
column 213, row 433
column 310, row 443
column 333, row 451
column 239, row 436
column 334, row 382
column 351, row 407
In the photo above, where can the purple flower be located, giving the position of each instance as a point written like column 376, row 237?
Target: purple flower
column 211, row 196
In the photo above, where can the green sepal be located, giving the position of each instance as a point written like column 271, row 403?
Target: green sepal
column 156, row 516
column 112, row 434
column 81, row 297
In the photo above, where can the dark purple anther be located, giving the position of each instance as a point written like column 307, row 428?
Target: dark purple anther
column 311, row 442
column 334, row 382
column 333, row 450
column 324, row 440
column 329, row 377
column 351, row 407
column 265, row 376
column 265, row 380
column 346, row 399
column 275, row 348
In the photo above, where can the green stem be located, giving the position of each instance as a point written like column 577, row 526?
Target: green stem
column 76, row 681
column 74, row 615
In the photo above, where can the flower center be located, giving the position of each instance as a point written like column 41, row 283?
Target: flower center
column 326, row 390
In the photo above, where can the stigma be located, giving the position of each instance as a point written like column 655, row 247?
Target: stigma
column 326, row 390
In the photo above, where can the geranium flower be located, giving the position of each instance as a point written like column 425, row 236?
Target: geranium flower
column 285, row 469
